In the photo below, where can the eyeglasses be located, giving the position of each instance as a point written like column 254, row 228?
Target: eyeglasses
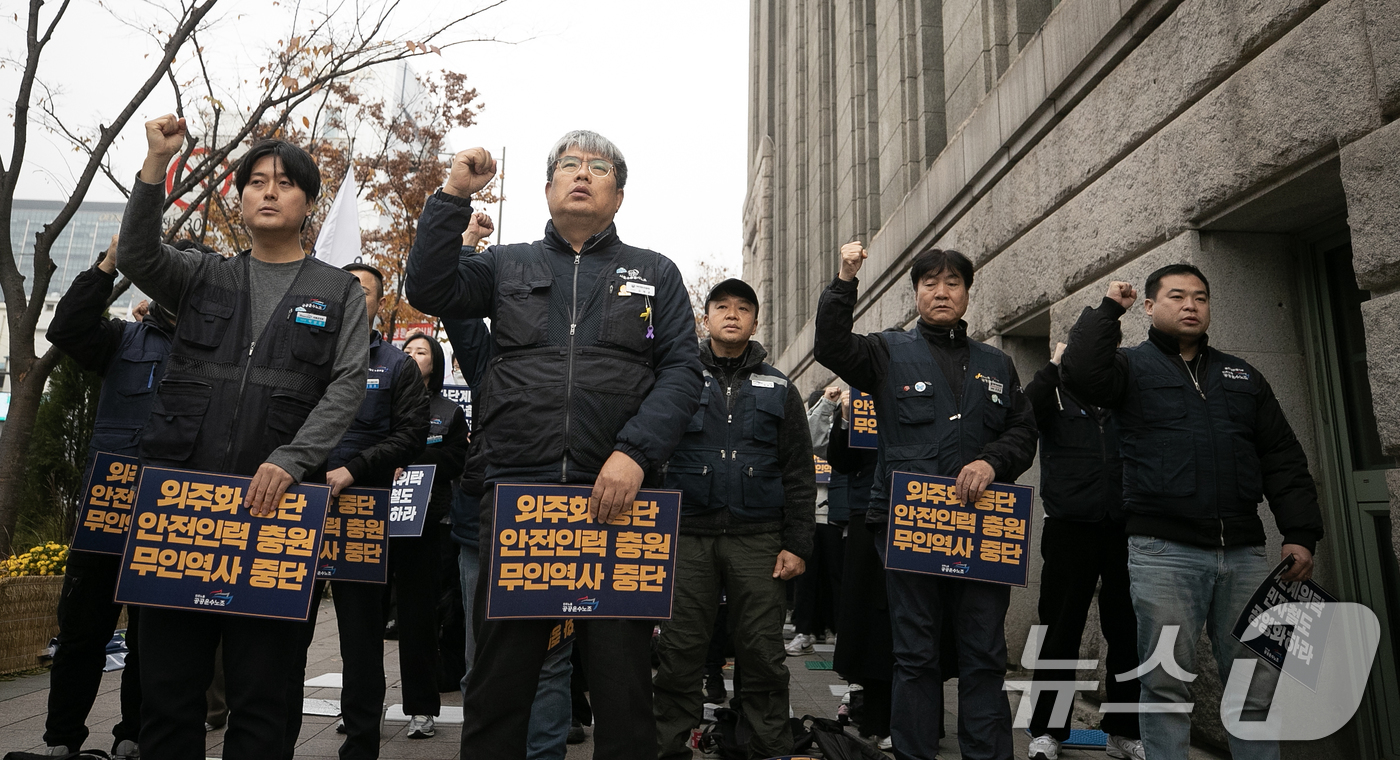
column 597, row 167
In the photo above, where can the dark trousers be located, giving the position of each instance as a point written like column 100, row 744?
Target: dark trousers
column 87, row 618
column 413, row 569
column 506, row 672
column 819, row 589
column 359, row 615
column 1076, row 556
column 918, row 604
column 179, row 666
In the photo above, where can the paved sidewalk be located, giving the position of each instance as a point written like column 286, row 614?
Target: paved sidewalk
column 23, row 704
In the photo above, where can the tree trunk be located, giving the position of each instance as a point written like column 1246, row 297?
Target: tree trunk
column 14, row 442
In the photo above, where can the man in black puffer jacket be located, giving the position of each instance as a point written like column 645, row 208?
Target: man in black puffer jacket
column 594, row 375
column 1203, row 440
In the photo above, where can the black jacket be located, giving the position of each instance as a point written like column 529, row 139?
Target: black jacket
column 864, row 361
column 394, row 442
column 555, row 404
column 447, row 438
column 1209, row 483
column 1081, row 476
column 79, row 329
column 794, row 458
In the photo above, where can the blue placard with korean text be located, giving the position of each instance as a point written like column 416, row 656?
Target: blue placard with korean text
column 863, row 434
column 194, row 546
column 823, row 470
column 408, row 501
column 104, row 515
column 931, row 531
column 550, row 560
column 461, row 395
column 355, row 546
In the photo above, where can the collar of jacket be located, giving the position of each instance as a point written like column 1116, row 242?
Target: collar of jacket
column 156, row 318
column 753, row 356
column 601, row 240
column 1169, row 345
column 943, row 337
column 374, row 338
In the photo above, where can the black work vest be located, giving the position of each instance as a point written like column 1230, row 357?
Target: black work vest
column 1081, row 476
column 558, row 391
column 1186, row 453
column 729, row 459
column 229, row 397
column 375, row 417
column 129, row 389
column 923, row 429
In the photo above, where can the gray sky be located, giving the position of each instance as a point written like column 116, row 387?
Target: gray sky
column 666, row 81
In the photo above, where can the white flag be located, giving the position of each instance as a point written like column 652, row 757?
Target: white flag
column 339, row 241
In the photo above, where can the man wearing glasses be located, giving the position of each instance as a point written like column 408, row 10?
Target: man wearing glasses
column 595, row 375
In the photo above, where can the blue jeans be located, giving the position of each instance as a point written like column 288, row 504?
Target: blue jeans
column 1190, row 586
column 552, row 712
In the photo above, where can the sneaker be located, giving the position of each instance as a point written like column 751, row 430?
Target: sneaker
column 1044, row 747
column 715, row 692
column 421, row 727
column 340, row 726
column 576, row 734
column 126, row 749
column 801, row 644
column 58, row 750
column 885, row 745
column 1123, row 747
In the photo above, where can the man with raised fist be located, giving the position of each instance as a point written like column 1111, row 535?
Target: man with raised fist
column 244, row 393
column 948, row 406
column 594, row 375
column 1203, row 439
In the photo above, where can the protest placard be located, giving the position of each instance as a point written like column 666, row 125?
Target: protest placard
column 823, row 470
column 193, row 545
column 461, row 395
column 931, row 531
column 863, row 434
column 549, row 559
column 356, row 544
column 1288, row 639
column 105, row 514
column 408, row 501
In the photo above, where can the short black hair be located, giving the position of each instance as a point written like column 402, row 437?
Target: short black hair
column 359, row 266
column 1154, row 280
column 936, row 260
column 296, row 163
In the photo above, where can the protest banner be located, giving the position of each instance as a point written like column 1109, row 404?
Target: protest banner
column 355, row 546
column 549, row 559
column 105, row 515
column 1287, row 639
column 461, row 395
column 931, row 531
column 823, row 470
column 194, row 546
column 408, row 501
column 864, row 434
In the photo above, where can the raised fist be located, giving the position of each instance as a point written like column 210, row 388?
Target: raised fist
column 472, row 169
column 1123, row 293
column 832, row 393
column 852, row 256
column 481, row 225
column 165, row 135
column 1059, row 352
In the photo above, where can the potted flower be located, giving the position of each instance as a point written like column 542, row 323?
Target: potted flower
column 30, row 586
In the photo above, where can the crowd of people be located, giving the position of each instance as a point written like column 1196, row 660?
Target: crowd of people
column 1153, row 461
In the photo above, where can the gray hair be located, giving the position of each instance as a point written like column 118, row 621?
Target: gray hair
column 591, row 142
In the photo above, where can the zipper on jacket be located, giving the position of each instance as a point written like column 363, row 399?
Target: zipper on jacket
column 569, row 376
column 238, row 404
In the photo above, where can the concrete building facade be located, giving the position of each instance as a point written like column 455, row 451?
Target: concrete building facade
column 1061, row 145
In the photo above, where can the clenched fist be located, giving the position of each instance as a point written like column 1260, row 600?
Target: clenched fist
column 472, row 169
column 1123, row 293
column 164, row 136
column 479, row 227
column 852, row 256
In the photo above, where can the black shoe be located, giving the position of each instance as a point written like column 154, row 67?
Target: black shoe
column 714, row 688
column 576, row 734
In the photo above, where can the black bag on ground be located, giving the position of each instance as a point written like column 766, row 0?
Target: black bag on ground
column 831, row 739
column 728, row 736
